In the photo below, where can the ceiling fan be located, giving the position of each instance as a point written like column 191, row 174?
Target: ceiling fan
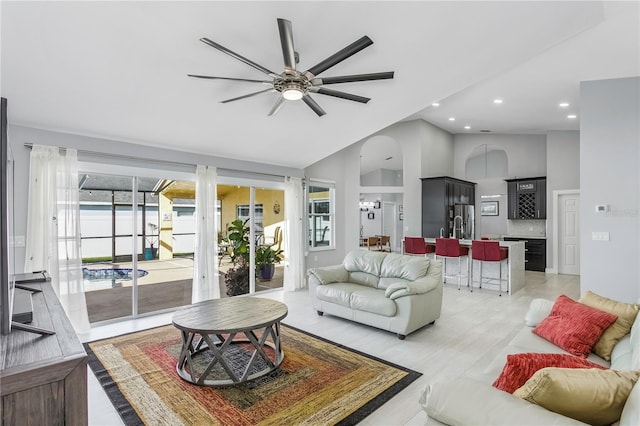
column 295, row 85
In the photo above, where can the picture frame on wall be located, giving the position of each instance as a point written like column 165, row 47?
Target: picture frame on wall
column 370, row 215
column 489, row 208
column 376, row 205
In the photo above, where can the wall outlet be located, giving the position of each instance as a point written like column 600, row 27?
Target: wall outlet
column 600, row 236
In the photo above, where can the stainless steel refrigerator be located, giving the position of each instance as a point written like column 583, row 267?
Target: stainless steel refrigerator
column 463, row 222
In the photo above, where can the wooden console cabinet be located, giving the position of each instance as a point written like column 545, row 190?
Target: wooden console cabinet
column 43, row 379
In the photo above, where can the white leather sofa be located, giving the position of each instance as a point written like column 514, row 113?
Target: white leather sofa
column 393, row 292
column 471, row 399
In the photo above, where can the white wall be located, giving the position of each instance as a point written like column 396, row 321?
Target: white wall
column 526, row 157
column 609, row 164
column 420, row 142
column 563, row 173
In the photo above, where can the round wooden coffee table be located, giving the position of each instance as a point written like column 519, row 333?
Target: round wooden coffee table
column 222, row 325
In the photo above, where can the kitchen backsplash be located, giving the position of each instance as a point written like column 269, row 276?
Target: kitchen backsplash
column 534, row 228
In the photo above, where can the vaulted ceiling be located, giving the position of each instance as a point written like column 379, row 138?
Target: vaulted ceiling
column 119, row 70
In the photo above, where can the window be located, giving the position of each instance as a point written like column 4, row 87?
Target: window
column 242, row 213
column 320, row 196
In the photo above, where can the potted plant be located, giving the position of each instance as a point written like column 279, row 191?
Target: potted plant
column 236, row 279
column 151, row 251
column 266, row 258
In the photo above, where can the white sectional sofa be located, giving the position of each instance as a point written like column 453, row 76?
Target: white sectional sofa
column 471, row 399
column 393, row 292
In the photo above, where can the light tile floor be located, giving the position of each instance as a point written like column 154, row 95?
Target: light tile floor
column 472, row 326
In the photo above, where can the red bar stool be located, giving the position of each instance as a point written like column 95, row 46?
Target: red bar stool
column 417, row 246
column 450, row 248
column 488, row 251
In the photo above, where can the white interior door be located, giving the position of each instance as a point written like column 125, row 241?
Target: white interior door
column 389, row 223
column 569, row 234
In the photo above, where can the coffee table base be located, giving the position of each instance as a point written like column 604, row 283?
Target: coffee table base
column 191, row 346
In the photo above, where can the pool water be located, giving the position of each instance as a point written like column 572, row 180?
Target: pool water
column 98, row 279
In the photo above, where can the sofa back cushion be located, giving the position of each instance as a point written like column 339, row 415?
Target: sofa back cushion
column 364, row 261
column 406, row 267
column 363, row 278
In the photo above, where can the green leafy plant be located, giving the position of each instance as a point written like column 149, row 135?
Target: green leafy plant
column 236, row 279
column 267, row 256
column 239, row 239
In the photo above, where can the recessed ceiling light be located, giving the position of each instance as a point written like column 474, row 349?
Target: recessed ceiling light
column 497, row 101
column 452, row 119
column 572, row 116
column 435, row 104
column 467, row 127
column 564, row 104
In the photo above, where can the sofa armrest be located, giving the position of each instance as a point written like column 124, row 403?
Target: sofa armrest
column 425, row 284
column 329, row 274
column 465, row 401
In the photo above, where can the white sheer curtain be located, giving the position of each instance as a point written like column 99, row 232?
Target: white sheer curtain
column 53, row 228
column 205, row 266
column 293, row 231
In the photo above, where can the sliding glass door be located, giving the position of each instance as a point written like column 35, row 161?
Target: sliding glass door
column 136, row 263
column 260, row 212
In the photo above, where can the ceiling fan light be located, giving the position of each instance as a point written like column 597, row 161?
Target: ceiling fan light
column 292, row 94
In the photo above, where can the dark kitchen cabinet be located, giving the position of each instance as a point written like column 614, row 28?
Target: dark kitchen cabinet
column 439, row 195
column 527, row 198
column 535, row 253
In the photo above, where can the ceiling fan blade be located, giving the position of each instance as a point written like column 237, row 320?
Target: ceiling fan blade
column 237, row 56
column 313, row 105
column 286, row 40
column 337, row 94
column 276, row 107
column 247, row 96
column 352, row 78
column 210, row 77
column 341, row 55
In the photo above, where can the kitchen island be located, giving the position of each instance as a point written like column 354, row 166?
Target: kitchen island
column 513, row 268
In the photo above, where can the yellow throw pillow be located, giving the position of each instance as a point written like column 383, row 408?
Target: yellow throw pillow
column 591, row 395
column 626, row 313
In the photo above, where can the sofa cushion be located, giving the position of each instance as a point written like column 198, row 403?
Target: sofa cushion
column 631, row 411
column 539, row 309
column 364, row 261
column 626, row 313
column 364, row 278
column 573, row 326
column 330, row 274
column 622, row 354
column 402, row 266
column 590, row 395
column 635, row 344
column 372, row 300
column 520, row 367
column 465, row 401
column 339, row 293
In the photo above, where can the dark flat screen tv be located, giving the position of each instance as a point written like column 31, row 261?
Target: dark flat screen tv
column 7, row 231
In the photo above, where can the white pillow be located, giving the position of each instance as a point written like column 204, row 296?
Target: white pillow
column 539, row 309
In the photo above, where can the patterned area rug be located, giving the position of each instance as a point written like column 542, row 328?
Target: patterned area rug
column 318, row 383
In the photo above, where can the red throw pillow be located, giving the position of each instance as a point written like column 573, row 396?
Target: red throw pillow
column 573, row 326
column 520, row 367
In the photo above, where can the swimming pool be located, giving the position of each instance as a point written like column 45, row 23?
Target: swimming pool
column 97, row 279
